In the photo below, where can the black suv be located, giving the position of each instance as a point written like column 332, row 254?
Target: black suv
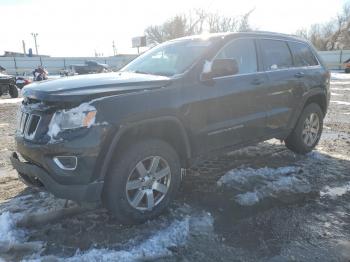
column 125, row 137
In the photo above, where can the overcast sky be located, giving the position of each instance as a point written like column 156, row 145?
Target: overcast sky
column 78, row 27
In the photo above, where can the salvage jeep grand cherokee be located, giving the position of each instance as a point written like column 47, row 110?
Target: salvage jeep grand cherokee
column 124, row 137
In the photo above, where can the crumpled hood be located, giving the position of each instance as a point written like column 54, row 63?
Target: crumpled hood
column 87, row 87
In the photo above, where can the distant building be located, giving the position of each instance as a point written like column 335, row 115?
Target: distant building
column 18, row 54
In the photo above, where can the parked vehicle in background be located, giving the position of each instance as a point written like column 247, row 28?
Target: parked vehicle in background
column 22, row 81
column 347, row 65
column 8, row 85
column 89, row 67
column 124, row 137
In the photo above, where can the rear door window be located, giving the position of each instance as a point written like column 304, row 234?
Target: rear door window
column 243, row 51
column 275, row 54
column 302, row 55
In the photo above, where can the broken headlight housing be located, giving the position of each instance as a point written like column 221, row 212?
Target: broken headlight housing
column 71, row 119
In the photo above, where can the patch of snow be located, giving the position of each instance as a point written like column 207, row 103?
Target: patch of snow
column 248, row 199
column 258, row 184
column 334, row 192
column 32, row 203
column 244, row 175
column 340, row 102
column 339, row 76
column 9, row 234
column 336, row 94
column 17, row 209
column 341, row 88
column 155, row 247
column 316, row 155
column 11, row 100
column 184, row 225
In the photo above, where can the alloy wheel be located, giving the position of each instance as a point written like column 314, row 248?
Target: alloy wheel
column 148, row 183
column 311, row 129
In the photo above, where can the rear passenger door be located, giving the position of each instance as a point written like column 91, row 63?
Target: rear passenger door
column 283, row 91
column 308, row 66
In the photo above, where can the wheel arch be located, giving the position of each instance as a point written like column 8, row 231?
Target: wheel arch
column 319, row 99
column 317, row 96
column 169, row 129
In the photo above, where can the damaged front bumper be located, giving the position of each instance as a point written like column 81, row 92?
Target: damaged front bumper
column 81, row 193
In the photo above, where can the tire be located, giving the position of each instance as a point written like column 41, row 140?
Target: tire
column 120, row 201
column 296, row 140
column 13, row 91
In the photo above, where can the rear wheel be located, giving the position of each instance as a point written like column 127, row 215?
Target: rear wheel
column 13, row 91
column 142, row 182
column 307, row 131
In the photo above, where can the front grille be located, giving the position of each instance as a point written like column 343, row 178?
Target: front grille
column 28, row 124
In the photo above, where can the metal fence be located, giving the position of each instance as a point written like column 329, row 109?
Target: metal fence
column 55, row 65
column 335, row 59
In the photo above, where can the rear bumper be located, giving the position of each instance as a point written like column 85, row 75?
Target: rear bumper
column 82, row 193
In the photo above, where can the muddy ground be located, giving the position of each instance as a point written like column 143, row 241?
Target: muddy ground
column 261, row 203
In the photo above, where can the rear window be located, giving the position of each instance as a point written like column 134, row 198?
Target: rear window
column 302, row 54
column 276, row 54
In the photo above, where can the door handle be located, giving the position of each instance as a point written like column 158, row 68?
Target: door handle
column 299, row 75
column 257, row 81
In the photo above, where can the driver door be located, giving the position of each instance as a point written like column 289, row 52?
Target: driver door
column 230, row 111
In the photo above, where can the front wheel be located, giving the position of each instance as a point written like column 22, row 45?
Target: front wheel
column 142, row 182
column 13, row 91
column 307, row 131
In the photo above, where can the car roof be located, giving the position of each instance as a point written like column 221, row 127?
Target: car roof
column 230, row 35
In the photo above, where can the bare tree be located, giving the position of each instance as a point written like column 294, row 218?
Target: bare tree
column 331, row 35
column 244, row 22
column 196, row 22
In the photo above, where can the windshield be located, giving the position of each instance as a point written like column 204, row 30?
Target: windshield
column 169, row 59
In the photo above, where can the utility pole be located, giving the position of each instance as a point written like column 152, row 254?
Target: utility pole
column 24, row 48
column 114, row 49
column 35, row 35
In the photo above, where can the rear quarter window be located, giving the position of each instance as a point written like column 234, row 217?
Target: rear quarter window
column 302, row 54
column 276, row 54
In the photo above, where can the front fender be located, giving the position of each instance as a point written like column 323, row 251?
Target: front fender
column 124, row 128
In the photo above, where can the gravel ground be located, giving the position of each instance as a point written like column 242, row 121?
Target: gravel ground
column 260, row 203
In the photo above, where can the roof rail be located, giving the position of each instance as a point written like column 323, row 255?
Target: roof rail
column 266, row 32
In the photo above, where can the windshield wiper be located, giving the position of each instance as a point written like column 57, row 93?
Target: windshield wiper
column 155, row 73
column 141, row 72
column 163, row 73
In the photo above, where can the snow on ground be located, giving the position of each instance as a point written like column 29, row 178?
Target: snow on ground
column 18, row 209
column 334, row 192
column 156, row 245
column 9, row 234
column 340, row 102
column 258, row 184
column 11, row 100
column 255, row 185
column 339, row 75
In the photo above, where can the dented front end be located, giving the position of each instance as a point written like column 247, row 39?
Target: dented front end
column 60, row 146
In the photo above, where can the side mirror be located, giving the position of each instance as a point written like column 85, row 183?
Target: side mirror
column 224, row 67
column 220, row 67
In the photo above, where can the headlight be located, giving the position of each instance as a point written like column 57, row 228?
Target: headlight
column 82, row 116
